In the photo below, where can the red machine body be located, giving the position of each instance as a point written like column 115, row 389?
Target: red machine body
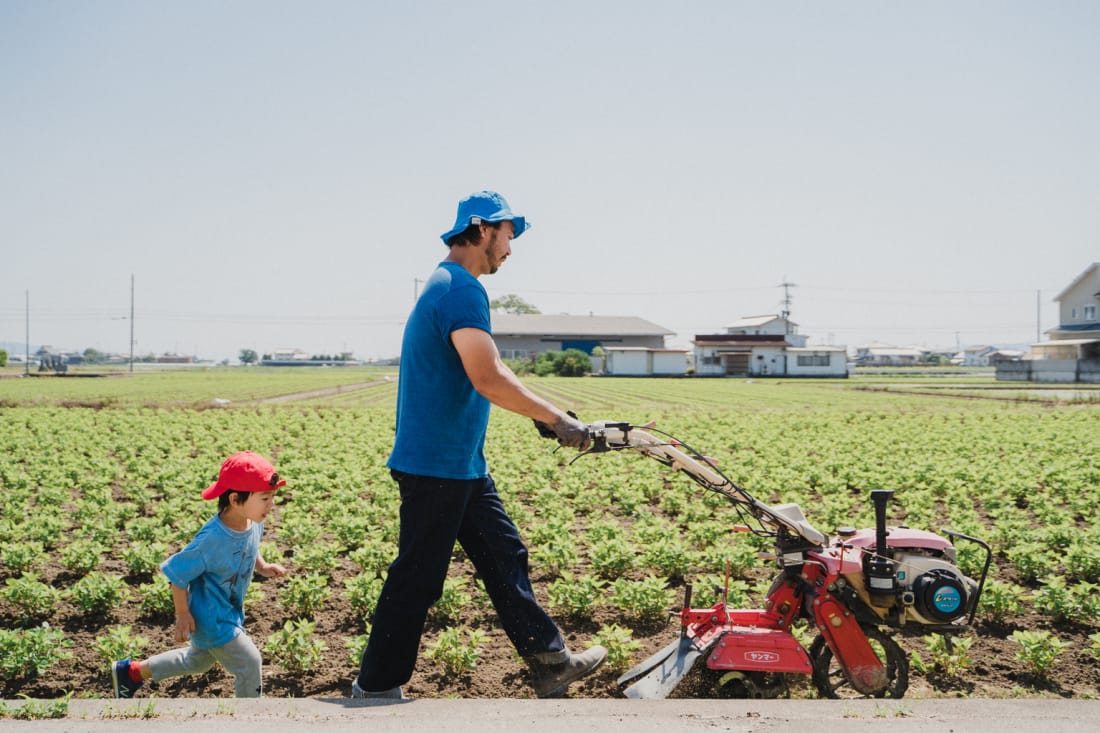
column 847, row 588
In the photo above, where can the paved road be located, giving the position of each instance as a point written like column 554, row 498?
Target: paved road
column 337, row 715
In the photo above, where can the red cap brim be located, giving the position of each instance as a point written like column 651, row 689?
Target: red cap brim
column 213, row 491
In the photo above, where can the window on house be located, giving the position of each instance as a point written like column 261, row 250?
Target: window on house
column 813, row 360
column 1090, row 312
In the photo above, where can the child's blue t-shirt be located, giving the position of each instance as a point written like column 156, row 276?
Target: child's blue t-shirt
column 441, row 418
column 216, row 569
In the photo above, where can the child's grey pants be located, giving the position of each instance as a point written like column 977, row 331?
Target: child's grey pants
column 240, row 658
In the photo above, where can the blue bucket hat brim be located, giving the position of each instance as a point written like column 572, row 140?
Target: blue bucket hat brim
column 487, row 206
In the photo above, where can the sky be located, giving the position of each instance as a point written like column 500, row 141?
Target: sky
column 277, row 174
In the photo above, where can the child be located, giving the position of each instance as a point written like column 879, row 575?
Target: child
column 209, row 578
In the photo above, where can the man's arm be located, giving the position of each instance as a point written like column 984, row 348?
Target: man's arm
column 498, row 384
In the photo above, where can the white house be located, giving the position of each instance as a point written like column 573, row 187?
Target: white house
column 765, row 346
column 285, row 354
column 974, row 356
column 876, row 354
column 770, row 325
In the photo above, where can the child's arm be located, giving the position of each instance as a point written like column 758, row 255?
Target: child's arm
column 269, row 569
column 185, row 622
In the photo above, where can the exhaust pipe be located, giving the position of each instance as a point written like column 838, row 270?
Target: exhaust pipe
column 880, row 498
column 879, row 567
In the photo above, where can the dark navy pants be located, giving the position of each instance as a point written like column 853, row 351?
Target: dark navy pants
column 435, row 513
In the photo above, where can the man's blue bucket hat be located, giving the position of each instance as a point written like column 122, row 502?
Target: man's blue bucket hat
column 487, row 206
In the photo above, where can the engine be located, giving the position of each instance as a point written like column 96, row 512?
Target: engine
column 908, row 575
column 931, row 590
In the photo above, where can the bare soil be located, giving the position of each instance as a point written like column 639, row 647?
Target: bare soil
column 994, row 671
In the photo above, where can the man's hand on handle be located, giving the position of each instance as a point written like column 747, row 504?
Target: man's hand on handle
column 569, row 431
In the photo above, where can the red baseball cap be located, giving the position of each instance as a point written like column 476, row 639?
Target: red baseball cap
column 244, row 471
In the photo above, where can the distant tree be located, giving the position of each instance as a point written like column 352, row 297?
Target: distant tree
column 568, row 363
column 512, row 303
column 938, row 360
column 574, row 363
column 94, row 356
column 3, row 358
column 247, row 356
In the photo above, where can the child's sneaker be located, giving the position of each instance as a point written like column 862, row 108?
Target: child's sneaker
column 120, row 676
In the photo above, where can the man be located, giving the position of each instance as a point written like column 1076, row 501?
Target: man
column 450, row 373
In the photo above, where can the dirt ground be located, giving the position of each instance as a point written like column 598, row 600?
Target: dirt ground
column 994, row 671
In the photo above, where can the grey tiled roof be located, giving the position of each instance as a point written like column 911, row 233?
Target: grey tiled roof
column 507, row 324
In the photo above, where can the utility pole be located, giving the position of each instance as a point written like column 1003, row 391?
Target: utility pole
column 786, row 313
column 27, row 340
column 416, row 288
column 1038, row 300
column 131, row 323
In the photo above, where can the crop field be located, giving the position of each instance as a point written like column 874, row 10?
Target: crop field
column 100, row 482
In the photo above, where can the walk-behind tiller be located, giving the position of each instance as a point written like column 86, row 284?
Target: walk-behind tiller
column 849, row 587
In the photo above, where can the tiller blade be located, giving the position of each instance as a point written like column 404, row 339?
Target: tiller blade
column 662, row 671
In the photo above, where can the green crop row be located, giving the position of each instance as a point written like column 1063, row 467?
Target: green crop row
column 99, row 495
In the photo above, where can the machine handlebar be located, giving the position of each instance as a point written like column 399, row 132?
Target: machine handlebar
column 610, row 435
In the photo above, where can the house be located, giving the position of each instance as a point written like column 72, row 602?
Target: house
column 284, row 355
column 1004, row 355
column 1072, row 353
column 524, row 336
column 642, row 361
column 767, row 326
column 974, row 356
column 765, row 346
column 297, row 357
column 876, row 354
column 1077, row 307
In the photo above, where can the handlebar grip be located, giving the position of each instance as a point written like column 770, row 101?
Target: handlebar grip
column 545, row 431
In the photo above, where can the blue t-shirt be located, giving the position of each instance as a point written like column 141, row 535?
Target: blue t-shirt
column 441, row 418
column 216, row 568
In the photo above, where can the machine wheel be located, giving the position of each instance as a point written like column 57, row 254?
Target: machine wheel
column 749, row 685
column 831, row 681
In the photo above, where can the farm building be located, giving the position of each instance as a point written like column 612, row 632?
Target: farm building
column 297, row 357
column 641, row 361
column 524, row 336
column 765, row 346
column 876, row 354
column 1073, row 352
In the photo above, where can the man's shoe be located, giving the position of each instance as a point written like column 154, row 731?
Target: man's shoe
column 120, row 677
column 394, row 693
column 552, row 672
